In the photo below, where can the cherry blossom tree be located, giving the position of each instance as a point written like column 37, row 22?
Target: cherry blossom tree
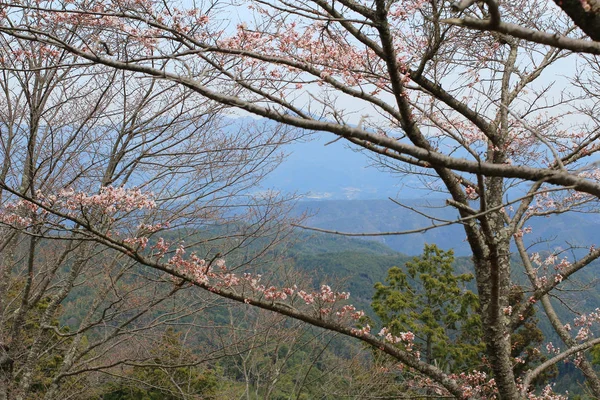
column 464, row 95
column 96, row 142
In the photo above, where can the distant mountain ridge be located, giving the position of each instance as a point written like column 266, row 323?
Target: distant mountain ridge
column 343, row 190
column 369, row 216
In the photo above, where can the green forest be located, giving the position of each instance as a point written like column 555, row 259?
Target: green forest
column 258, row 355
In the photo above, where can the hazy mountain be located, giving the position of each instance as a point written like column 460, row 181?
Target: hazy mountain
column 318, row 168
column 344, row 191
column 358, row 216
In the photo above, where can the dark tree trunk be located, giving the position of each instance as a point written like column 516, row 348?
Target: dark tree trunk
column 585, row 14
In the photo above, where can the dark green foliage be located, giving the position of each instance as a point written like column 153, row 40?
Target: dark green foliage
column 359, row 271
column 428, row 299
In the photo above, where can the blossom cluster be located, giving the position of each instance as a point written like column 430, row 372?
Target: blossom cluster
column 142, row 242
column 551, row 349
column 328, row 54
column 217, row 276
column 102, row 21
column 109, row 200
column 404, row 337
column 547, row 202
column 478, row 384
column 18, row 214
column 546, row 394
column 325, row 301
column 560, row 267
column 362, row 331
column 585, row 323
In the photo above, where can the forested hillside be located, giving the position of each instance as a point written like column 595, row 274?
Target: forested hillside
column 354, row 265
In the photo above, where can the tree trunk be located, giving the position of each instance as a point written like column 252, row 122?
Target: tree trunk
column 585, row 14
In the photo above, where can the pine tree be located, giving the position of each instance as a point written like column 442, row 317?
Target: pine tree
column 428, row 299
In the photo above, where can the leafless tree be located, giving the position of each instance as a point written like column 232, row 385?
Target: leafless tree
column 71, row 127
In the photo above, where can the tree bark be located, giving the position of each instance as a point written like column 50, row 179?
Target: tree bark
column 585, row 14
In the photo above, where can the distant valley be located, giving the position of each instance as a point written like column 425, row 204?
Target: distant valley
column 341, row 189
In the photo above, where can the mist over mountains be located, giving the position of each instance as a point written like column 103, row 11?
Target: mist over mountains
column 317, row 170
column 360, row 216
column 342, row 190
